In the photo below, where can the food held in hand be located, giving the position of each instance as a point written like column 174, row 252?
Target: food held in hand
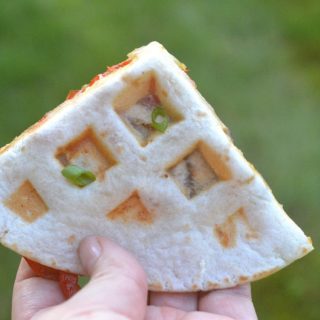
column 140, row 157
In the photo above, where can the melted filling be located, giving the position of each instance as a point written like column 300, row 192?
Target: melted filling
column 87, row 152
column 193, row 174
column 138, row 117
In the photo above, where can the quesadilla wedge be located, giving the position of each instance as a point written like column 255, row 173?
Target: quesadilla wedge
column 140, row 157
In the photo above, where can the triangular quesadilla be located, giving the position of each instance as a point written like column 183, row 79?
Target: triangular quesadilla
column 140, row 157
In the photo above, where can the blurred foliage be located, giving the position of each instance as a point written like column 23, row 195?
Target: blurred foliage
column 257, row 61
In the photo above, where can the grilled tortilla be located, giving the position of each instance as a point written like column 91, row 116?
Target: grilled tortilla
column 169, row 185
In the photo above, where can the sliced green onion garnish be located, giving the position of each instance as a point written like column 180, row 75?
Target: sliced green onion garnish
column 78, row 176
column 160, row 120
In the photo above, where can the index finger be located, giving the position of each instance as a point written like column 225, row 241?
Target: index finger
column 234, row 302
column 32, row 294
column 182, row 301
column 24, row 271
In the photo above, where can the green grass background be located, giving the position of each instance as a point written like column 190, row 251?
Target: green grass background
column 257, row 62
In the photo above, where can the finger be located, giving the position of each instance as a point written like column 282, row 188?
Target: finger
column 32, row 294
column 167, row 313
column 118, row 284
column 181, row 301
column 24, row 271
column 233, row 302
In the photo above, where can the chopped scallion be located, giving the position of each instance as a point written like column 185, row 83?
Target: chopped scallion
column 78, row 176
column 160, row 120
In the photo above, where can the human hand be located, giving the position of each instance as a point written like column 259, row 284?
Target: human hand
column 118, row 291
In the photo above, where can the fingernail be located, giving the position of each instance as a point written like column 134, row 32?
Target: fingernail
column 89, row 252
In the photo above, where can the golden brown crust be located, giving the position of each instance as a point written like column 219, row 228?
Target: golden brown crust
column 243, row 279
column 6, row 147
column 263, row 274
column 156, row 286
column 212, row 285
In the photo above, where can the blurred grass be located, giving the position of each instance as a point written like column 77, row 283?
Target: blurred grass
column 257, row 62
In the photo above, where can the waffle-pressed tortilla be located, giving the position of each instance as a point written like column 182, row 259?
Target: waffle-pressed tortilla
column 194, row 212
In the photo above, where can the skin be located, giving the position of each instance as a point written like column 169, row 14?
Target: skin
column 118, row 290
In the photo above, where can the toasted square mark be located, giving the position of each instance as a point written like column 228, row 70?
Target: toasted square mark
column 88, row 152
column 227, row 232
column 131, row 210
column 136, row 103
column 200, row 169
column 26, row 202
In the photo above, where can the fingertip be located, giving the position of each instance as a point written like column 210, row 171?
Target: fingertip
column 183, row 301
column 32, row 293
column 100, row 255
column 243, row 290
column 233, row 302
column 90, row 251
column 24, row 271
column 118, row 282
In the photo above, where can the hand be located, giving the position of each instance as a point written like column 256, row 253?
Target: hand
column 118, row 291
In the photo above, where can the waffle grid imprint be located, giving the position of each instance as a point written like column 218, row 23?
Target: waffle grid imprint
column 193, row 173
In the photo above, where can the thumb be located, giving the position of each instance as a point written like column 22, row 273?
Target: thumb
column 118, row 283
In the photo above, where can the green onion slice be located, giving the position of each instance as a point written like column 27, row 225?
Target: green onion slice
column 160, row 120
column 78, row 176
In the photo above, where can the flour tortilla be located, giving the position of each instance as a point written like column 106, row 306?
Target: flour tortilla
column 193, row 211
